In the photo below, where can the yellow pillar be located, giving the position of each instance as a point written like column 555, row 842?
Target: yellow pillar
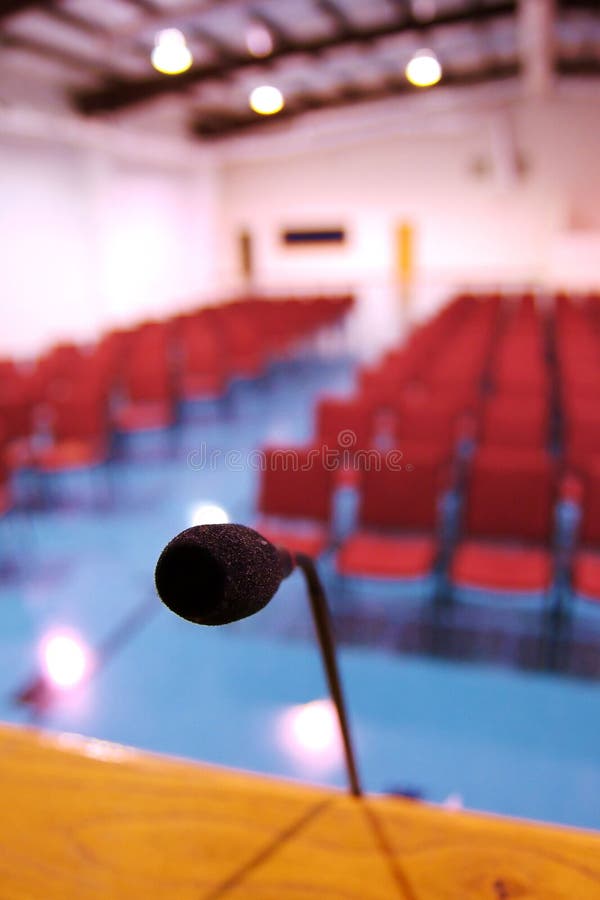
column 404, row 264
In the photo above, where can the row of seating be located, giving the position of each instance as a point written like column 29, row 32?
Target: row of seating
column 537, row 387
column 470, row 406
column 406, row 397
column 61, row 411
column 577, row 335
column 508, row 537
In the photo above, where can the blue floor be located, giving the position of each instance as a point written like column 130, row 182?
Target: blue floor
column 472, row 732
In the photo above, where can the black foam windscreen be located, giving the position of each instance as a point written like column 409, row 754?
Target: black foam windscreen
column 215, row 574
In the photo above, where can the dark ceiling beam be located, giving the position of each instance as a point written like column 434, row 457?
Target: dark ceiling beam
column 145, row 6
column 13, row 7
column 51, row 52
column 404, row 7
column 473, row 6
column 60, row 14
column 224, row 52
column 279, row 34
column 56, row 53
column 119, row 93
column 582, row 66
column 483, row 30
column 221, row 123
column 337, row 16
column 178, row 15
column 592, row 5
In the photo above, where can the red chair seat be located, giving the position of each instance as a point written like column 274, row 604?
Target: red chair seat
column 71, row 455
column 144, row 416
column 387, row 556
column 586, row 574
column 501, row 566
column 311, row 540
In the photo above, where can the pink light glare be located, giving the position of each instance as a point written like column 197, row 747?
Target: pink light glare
column 66, row 660
column 309, row 733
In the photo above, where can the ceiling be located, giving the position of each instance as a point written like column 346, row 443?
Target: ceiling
column 94, row 55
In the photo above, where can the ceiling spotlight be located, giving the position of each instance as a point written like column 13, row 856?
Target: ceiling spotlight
column 259, row 40
column 266, row 100
column 171, row 55
column 424, row 69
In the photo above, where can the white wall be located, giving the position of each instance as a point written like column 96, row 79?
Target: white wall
column 89, row 240
column 43, row 250
column 472, row 227
column 92, row 236
column 154, row 234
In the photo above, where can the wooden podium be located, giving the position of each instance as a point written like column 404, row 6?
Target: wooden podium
column 87, row 819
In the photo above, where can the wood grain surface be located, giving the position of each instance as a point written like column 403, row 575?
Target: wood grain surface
column 87, row 819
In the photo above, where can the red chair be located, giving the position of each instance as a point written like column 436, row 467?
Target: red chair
column 582, row 438
column 202, row 370
column 519, row 365
column 295, row 499
column 106, row 362
column 396, row 536
column 344, row 423
column 509, row 523
column 245, row 346
column 17, row 416
column 586, row 562
column 79, row 434
column 513, row 422
column 6, row 495
column 430, row 420
column 56, row 371
column 147, row 383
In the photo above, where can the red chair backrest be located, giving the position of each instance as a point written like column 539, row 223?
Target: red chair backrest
column 590, row 520
column 405, row 497
column 81, row 418
column 148, row 383
column 582, row 440
column 511, row 494
column 344, row 424
column 147, row 376
column 295, row 482
column 431, row 423
column 510, row 423
column 202, row 349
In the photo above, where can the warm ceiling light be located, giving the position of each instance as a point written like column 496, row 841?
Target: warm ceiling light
column 266, row 100
column 171, row 55
column 259, row 40
column 424, row 69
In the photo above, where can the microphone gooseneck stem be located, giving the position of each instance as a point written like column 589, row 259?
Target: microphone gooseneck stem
column 322, row 620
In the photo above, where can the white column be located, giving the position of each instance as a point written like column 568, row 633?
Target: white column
column 536, row 45
column 503, row 150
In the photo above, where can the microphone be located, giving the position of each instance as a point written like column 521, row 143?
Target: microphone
column 217, row 574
